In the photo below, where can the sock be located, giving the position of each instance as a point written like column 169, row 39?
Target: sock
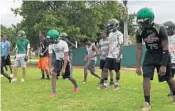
column 173, row 93
column 111, row 80
column 102, row 80
column 75, row 85
column 53, row 90
column 147, row 99
column 105, row 80
column 43, row 76
column 117, row 81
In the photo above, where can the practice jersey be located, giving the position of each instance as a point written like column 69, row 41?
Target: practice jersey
column 5, row 45
column 59, row 49
column 115, row 41
column 104, row 48
column 90, row 52
column 152, row 37
column 171, row 47
column 43, row 45
column 21, row 46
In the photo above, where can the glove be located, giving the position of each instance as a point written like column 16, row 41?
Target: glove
column 26, row 58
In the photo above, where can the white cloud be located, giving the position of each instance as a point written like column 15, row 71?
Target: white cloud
column 7, row 16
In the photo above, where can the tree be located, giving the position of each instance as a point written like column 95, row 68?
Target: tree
column 80, row 19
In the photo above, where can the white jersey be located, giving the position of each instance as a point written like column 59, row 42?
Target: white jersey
column 59, row 49
column 115, row 40
column 91, row 52
column 104, row 48
column 171, row 47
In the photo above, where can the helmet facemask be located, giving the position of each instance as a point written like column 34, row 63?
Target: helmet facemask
column 112, row 25
column 145, row 23
column 170, row 31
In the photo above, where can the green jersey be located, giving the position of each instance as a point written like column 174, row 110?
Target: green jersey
column 22, row 45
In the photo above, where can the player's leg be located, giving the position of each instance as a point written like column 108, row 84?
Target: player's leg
column 102, row 63
column 85, row 71
column 148, row 72
column 107, row 66
column 172, row 71
column 46, row 66
column 68, row 74
column 42, row 72
column 170, row 81
column 57, row 68
column 91, row 68
column 4, row 73
column 111, row 78
column 40, row 67
column 16, row 65
column 23, row 65
column 101, row 82
column 9, row 63
column 117, row 71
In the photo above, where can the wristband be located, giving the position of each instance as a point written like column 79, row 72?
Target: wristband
column 165, row 55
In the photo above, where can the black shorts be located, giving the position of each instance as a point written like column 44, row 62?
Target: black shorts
column 7, row 60
column 102, row 64
column 111, row 64
column 58, row 64
column 152, row 61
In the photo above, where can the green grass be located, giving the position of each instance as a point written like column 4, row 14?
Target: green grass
column 33, row 94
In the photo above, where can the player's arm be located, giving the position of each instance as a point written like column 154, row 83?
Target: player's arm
column 28, row 49
column 121, row 46
column 66, row 55
column 50, row 56
column 46, row 45
column 97, row 52
column 139, row 50
column 69, row 42
column 164, row 39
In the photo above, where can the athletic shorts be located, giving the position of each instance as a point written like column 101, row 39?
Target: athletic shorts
column 111, row 64
column 152, row 61
column 7, row 60
column 58, row 64
column 20, row 62
column 102, row 64
column 43, row 63
column 90, row 65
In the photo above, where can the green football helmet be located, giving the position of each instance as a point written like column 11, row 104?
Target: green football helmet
column 21, row 34
column 52, row 36
column 145, row 17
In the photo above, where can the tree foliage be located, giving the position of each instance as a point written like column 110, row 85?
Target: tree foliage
column 80, row 19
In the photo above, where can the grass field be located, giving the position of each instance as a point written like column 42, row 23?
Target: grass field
column 33, row 94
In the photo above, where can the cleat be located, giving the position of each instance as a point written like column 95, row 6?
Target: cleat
column 76, row 89
column 104, row 86
column 146, row 106
column 116, row 86
column 22, row 80
column 53, row 94
column 13, row 80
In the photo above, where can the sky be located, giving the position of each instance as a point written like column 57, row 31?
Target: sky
column 163, row 9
